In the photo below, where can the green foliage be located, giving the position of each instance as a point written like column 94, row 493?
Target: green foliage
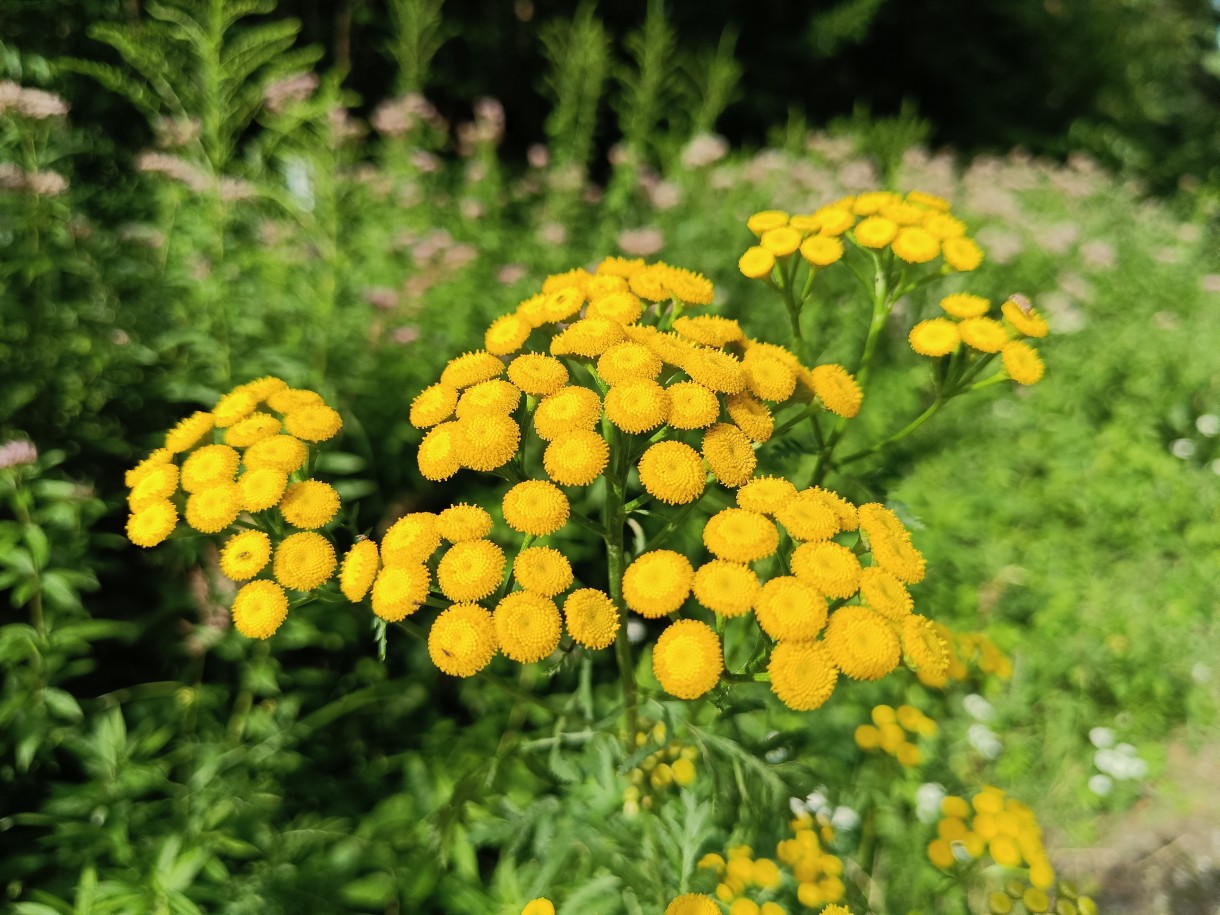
column 713, row 82
column 847, row 23
column 578, row 56
column 419, row 32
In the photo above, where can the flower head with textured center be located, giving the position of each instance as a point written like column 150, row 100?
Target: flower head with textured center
column 245, row 554
column 309, row 504
column 496, row 396
column 829, row 567
column 692, row 406
column 673, row 472
column 189, row 432
column 787, row 608
column 463, row 522
column 657, row 583
column 802, row 674
column 861, row 643
column 765, row 495
column 687, row 659
column 576, row 458
column 730, row 454
column 314, row 423
column 591, row 617
column 259, row 609
column 471, row 368
column 536, row 507
column 411, row 539
column 303, row 561
column 400, row 590
column 727, row 588
column 359, row 569
column 638, row 405
column 567, row 410
column 462, row 640
column 214, row 508
column 740, row 536
column 527, row 626
column 470, row 570
column 543, row 570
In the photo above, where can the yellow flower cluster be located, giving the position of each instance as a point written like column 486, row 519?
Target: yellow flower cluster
column 889, row 731
column 991, row 823
column 670, row 766
column 247, row 458
column 967, row 323
column 966, row 649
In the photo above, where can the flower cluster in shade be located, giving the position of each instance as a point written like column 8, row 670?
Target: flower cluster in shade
column 968, row 333
column 891, row 732
column 244, row 469
column 670, row 766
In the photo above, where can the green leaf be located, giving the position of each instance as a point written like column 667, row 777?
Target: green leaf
column 62, row 704
column 375, row 891
column 39, row 544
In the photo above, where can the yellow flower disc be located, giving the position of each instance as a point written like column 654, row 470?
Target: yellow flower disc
column 561, row 305
column 462, row 640
column 904, row 214
column 235, row 405
column 692, row 406
column 603, row 285
column 729, row 454
column 876, row 231
column 591, row 617
column 885, row 593
column 671, row 348
column 802, row 674
column 470, row 570
column 245, row 555
column 208, row 466
column 715, row 369
column 588, row 337
column 862, row 644
column 259, row 609
column 765, row 220
column 487, row 441
column 400, row 591
column 1022, row 363
column 876, row 521
column 410, row 540
column 628, row 361
column 924, row 646
column 837, row 389
column 567, row 410
column 751, row 416
column 286, row 399
column 303, row 561
column 189, row 432
column 434, row 404
column 740, row 536
column 829, row 567
column 962, row 254
column 986, row 335
column 944, row 225
column 576, row 458
column 463, row 522
column 691, row 287
column 835, row 220
column 278, row 452
column 488, row 397
column 621, row 307
column 536, row 507
column 687, row 662
column 673, row 473
column 787, row 608
column 931, row 201
column 261, row 488
column 935, row 337
column 756, row 263
column 158, row 458
column 211, row 510
column 537, row 374
column 940, row 853
column 152, row 523
column 899, row 557
column 317, row 423
column 439, row 453
column 543, row 570
column 471, row 368
column 781, row 241
column 710, row 330
column 254, row 428
column 1026, row 319
column 527, row 626
column 765, row 495
column 359, row 569
column 650, row 283
column 638, row 405
column 657, row 583
column 620, row 266
column 159, row 483
column 577, row 279
column 965, row 305
column 506, row 335
column 309, row 504
column 533, row 310
column 1034, row 899
column 821, row 250
column 871, row 202
column 810, row 516
column 769, row 378
column 539, row 906
column 727, row 588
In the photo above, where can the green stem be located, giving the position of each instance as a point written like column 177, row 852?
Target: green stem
column 614, row 517
column 902, row 433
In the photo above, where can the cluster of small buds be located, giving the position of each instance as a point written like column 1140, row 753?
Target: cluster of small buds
column 890, row 729
column 818, row 872
column 966, row 650
column 670, row 766
column 741, row 876
column 1114, row 761
column 1019, row 896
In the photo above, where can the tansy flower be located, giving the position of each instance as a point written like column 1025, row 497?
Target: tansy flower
column 576, row 458
column 861, row 643
column 904, row 214
column 876, row 231
column 768, row 378
column 254, row 428
column 506, row 335
column 159, row 483
column 470, row 570
column 756, row 263
column 411, row 539
column 844, row 511
column 687, row 661
column 487, row 441
column 931, row 201
column 400, row 591
column 621, row 307
column 434, row 404
column 439, row 453
column 462, row 640
column 538, row 374
column 765, row 220
column 245, row 555
column 961, row 254
column 627, row 361
column 543, row 570
column 710, row 330
column 885, row 593
column 756, row 348
column 821, row 250
column 765, row 495
column 1025, row 318
column 539, row 906
column 620, row 266
column 671, row 348
column 965, row 305
column 836, row 389
column 303, row 561
column 691, row 406
column 805, row 224
column 603, row 285
column 876, row 520
column 471, row 368
column 561, row 305
column 262, row 388
column 208, row 466
column 317, row 423
column 673, row 472
column 533, row 310
column 591, row 617
column 787, row 608
column 727, row 588
column 359, row 569
column 810, row 516
column 692, row 904
column 915, row 245
column 152, row 523
column 650, row 283
column 189, row 432
column 657, row 583
column 535, row 507
column 751, row 416
column 261, row 488
column 729, row 454
column 871, row 202
column 829, row 567
column 589, row 337
column 986, row 335
column 740, row 536
column 944, row 226
column 279, row 452
column 286, row 399
column 1022, row 363
column 802, row 674
column 156, row 459
column 496, row 396
column 715, row 369
column 834, row 220
column 898, row 556
column 309, row 504
column 691, row 287
column 637, row 406
column 781, row 241
column 576, row 278
column 527, row 626
column 463, row 522
column 567, row 410
column 935, row 337
column 235, row 405
column 214, row 508
column 259, row 609
column 924, row 646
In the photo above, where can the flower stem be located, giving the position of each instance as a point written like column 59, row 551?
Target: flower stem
column 613, row 519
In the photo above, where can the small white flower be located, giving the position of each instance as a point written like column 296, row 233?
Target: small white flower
column 927, row 801
column 1208, row 424
column 636, row 631
column 1101, row 785
column 797, row 806
column 1108, row 761
column 1183, row 448
column 777, row 755
column 1101, row 737
column 984, row 741
column 978, row 707
column 817, row 801
column 845, row 818
column 960, row 852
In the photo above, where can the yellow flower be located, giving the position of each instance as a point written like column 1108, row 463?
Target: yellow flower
column 261, row 488
column 245, row 555
column 756, row 263
column 940, row 853
column 470, row 570
column 673, row 472
column 533, row 310
column 1022, row 363
column 802, row 674
column 931, row 201
column 962, row 254
column 836, row 389
column 434, row 404
column 208, row 466
column 487, row 441
column 303, row 561
column 471, row 368
column 543, row 570
column 577, row 278
column 604, row 285
column 279, row 452
column 537, row 374
column 810, row 516
column 885, row 593
column 904, row 214
column 254, row 428
column 1034, row 899
column 691, row 287
column 1024, row 318
column 235, row 405
column 620, row 266
column 740, row 536
column 592, row 618
column 189, row 432
column 400, row 591
column 687, row 662
column 935, row 337
column 829, row 567
column 924, row 646
column 821, row 250
column 152, row 523
column 876, row 231
column 309, row 504
column 628, row 361
column 862, row 643
column 211, row 510
column 539, row 906
column 622, row 307
column 710, row 330
column 286, row 399
column 589, row 337
column 496, row 396
column 411, row 539
column 986, row 335
column 506, row 335
column 898, row 556
column 462, row 640
column 259, row 609
column 965, row 305
column 945, row 226
column 691, row 406
column 915, row 245
column 567, row 410
column 751, row 416
column 527, row 626
column 535, row 507
column 781, row 241
column 561, row 305
column 637, row 406
column 768, row 377
column 359, row 569
column 650, row 283
column 317, row 423
column 787, row 608
column 834, row 220
column 765, row 220
column 576, row 458
column 159, row 457
column 463, row 522
column 657, row 583
column 715, row 369
column 727, row 588
column 765, row 495
column 729, row 454
column 159, row 483
column 871, row 202
column 439, row 453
